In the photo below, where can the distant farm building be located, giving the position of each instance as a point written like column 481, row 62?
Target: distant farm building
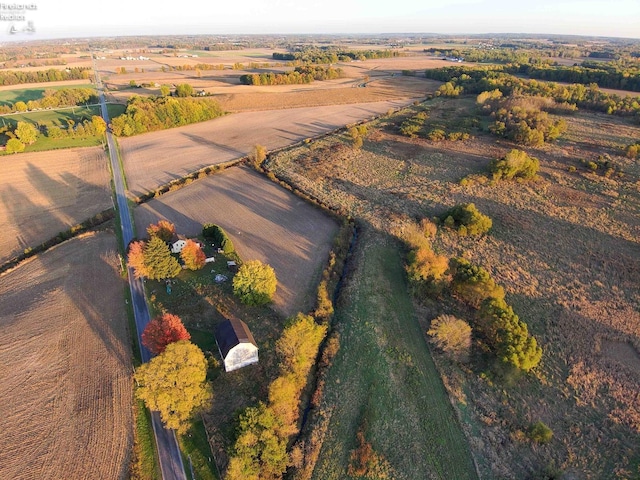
column 236, row 345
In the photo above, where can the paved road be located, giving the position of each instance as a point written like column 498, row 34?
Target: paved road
column 166, row 442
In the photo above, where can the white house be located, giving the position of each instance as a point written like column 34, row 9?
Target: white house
column 177, row 243
column 236, row 345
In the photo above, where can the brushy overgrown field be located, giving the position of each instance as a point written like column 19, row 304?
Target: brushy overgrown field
column 566, row 248
column 383, row 381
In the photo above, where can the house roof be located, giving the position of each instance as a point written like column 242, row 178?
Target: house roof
column 231, row 333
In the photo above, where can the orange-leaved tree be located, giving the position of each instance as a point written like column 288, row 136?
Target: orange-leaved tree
column 193, row 256
column 164, row 230
column 163, row 330
column 135, row 259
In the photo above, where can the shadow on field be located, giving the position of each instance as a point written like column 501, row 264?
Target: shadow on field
column 53, row 208
column 210, row 143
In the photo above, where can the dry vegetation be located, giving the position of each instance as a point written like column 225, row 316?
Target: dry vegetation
column 47, row 192
column 566, row 249
column 65, row 381
column 156, row 158
column 264, row 221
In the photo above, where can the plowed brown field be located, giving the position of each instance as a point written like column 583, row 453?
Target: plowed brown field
column 65, row 375
column 44, row 193
column 264, row 221
column 153, row 159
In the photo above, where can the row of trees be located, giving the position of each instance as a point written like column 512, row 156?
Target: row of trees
column 95, row 126
column 147, row 114
column 333, row 55
column 26, row 133
column 606, row 75
column 301, row 75
column 260, row 449
column 489, row 78
column 39, row 76
column 65, row 97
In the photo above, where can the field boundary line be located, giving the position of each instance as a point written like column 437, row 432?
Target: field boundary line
column 75, row 231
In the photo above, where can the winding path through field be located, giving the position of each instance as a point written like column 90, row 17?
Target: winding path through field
column 166, row 442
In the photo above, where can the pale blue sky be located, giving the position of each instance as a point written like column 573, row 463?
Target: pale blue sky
column 72, row 18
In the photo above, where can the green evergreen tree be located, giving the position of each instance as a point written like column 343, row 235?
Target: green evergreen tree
column 158, row 260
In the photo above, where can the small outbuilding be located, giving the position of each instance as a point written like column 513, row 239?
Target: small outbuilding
column 236, row 344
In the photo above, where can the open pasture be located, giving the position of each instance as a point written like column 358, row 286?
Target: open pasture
column 565, row 247
column 65, row 380
column 384, row 382
column 47, row 192
column 264, row 221
column 156, row 158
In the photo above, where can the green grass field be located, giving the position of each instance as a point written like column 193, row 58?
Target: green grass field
column 58, row 117
column 384, row 378
column 8, row 97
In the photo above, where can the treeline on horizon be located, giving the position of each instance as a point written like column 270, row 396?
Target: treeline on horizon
column 12, row 77
column 476, row 80
column 148, row 114
column 333, row 55
column 301, row 75
column 622, row 74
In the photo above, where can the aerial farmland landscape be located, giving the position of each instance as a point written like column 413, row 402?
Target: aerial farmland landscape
column 251, row 242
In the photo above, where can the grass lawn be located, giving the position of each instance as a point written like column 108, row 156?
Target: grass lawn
column 383, row 379
column 196, row 453
column 59, row 117
column 8, row 97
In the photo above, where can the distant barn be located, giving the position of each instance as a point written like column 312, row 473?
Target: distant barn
column 236, row 345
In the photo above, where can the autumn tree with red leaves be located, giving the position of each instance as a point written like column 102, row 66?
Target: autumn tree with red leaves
column 164, row 230
column 163, row 330
column 135, row 259
column 193, row 256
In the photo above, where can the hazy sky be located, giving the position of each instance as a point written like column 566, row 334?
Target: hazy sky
column 73, row 18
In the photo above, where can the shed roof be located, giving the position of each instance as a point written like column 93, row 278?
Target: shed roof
column 231, row 333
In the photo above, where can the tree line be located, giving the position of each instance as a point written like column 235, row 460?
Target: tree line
column 301, row 75
column 148, row 114
column 50, row 75
column 65, row 97
column 488, row 78
column 618, row 75
column 27, row 134
column 333, row 55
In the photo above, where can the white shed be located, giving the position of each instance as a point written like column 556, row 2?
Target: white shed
column 236, row 345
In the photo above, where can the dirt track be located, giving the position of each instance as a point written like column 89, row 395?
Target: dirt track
column 65, row 380
column 153, row 159
column 44, row 193
column 264, row 221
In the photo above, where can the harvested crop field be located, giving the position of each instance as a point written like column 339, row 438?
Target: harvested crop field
column 45, row 193
column 156, row 158
column 565, row 247
column 264, row 221
column 65, row 381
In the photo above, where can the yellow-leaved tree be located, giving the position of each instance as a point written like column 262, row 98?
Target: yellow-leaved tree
column 174, row 384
